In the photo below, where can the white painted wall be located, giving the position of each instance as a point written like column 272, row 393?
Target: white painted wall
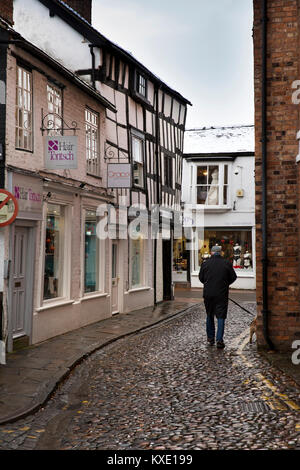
column 52, row 35
column 242, row 216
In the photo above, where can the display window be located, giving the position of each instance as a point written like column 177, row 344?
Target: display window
column 54, row 252
column 180, row 255
column 137, row 265
column 91, row 260
column 236, row 247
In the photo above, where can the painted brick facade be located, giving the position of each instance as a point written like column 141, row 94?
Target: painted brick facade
column 282, row 170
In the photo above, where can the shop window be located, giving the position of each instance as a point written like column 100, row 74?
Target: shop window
column 54, row 100
column 137, row 265
column 92, row 142
column 24, row 109
column 54, row 252
column 180, row 255
column 138, row 160
column 91, row 261
column 212, row 185
column 236, row 247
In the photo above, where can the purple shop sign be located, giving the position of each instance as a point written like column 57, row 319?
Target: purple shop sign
column 61, row 152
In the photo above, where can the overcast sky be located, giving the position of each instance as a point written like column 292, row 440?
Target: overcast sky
column 203, row 49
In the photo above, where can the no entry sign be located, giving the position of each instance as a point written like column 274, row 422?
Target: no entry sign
column 8, row 208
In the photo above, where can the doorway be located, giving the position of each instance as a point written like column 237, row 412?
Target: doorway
column 115, row 278
column 167, row 270
column 21, row 285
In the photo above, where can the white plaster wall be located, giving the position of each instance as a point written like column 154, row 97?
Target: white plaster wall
column 52, row 35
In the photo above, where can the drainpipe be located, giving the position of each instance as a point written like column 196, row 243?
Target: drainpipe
column 265, row 309
column 91, row 46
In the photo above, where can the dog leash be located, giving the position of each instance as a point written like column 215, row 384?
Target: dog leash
column 243, row 308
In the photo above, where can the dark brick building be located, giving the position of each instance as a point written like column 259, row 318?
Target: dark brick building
column 276, row 63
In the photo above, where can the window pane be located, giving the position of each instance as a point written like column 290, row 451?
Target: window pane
column 212, row 196
column 136, row 262
column 201, row 194
column 91, row 273
column 92, row 143
column 225, row 192
column 202, row 174
column 225, row 174
column 54, row 253
column 213, row 175
column 236, row 246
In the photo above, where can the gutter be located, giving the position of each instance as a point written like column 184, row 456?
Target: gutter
column 265, row 261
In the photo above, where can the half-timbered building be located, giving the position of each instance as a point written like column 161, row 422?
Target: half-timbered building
column 142, row 141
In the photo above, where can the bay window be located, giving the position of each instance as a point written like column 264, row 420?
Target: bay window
column 210, row 185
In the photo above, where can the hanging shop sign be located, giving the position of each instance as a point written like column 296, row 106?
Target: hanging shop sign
column 61, row 152
column 119, row 175
column 8, row 208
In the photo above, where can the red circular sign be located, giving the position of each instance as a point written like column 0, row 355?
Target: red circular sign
column 8, row 208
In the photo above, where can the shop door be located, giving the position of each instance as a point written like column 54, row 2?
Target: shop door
column 19, row 283
column 115, row 279
column 167, row 270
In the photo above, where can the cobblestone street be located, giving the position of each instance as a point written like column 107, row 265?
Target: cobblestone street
column 167, row 389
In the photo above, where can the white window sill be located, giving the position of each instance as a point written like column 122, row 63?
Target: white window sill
column 55, row 303
column 96, row 295
column 138, row 289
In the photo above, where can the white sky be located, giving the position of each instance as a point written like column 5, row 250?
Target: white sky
column 203, row 49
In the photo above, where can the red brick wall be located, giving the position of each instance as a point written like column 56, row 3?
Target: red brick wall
column 282, row 171
column 83, row 7
column 6, row 10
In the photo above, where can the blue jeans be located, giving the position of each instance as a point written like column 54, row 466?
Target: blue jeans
column 210, row 327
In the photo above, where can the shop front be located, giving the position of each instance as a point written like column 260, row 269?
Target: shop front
column 237, row 247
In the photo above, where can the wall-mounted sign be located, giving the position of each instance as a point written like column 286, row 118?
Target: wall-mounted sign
column 28, row 191
column 61, row 152
column 119, row 175
column 8, row 208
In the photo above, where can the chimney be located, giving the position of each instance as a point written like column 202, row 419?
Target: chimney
column 83, row 7
column 7, row 10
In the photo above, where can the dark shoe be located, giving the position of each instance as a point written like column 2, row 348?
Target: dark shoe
column 211, row 341
column 220, row 345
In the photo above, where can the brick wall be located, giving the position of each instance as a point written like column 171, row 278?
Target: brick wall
column 6, row 10
column 83, row 7
column 282, row 171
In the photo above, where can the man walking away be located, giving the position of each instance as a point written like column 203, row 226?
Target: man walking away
column 216, row 274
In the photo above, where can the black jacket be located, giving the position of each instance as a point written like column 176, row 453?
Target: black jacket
column 216, row 274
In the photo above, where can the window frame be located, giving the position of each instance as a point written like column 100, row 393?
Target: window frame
column 101, row 259
column 66, row 260
column 142, row 283
column 221, row 184
column 168, row 171
column 18, row 108
column 138, row 136
column 141, row 88
column 50, row 112
column 89, row 127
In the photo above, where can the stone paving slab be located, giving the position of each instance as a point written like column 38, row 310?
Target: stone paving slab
column 32, row 374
